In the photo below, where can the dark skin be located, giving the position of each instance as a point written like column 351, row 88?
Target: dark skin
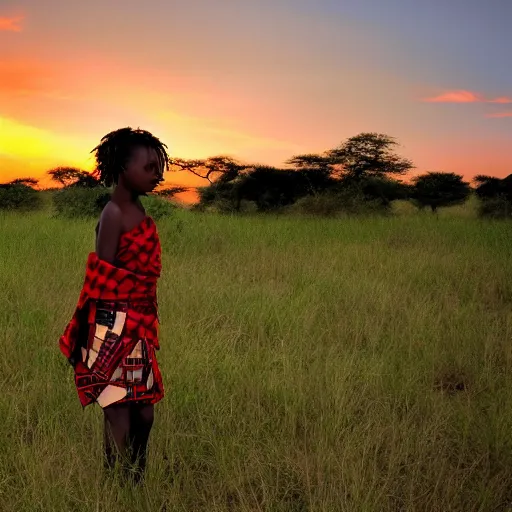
column 127, row 426
column 124, row 211
column 141, row 175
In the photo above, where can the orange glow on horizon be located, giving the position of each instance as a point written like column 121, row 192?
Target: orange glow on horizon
column 53, row 112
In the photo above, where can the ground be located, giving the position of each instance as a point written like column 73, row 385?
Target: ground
column 310, row 364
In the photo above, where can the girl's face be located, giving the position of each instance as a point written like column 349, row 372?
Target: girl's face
column 143, row 171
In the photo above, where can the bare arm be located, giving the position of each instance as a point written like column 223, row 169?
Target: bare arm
column 109, row 232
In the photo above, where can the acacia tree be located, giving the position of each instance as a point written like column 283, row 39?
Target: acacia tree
column 437, row 189
column 317, row 170
column 20, row 194
column 70, row 177
column 170, row 192
column 28, row 182
column 369, row 155
column 487, row 186
column 223, row 174
column 490, row 187
column 495, row 196
column 362, row 164
column 20, row 182
column 311, row 161
column 214, row 169
column 270, row 188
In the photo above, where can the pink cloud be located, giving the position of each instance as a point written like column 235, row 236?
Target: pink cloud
column 502, row 100
column 456, row 97
column 463, row 96
column 500, row 115
column 11, row 24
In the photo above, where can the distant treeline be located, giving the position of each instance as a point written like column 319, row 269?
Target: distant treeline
column 363, row 174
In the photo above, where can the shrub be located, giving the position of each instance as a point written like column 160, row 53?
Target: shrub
column 495, row 208
column 226, row 206
column 19, row 197
column 89, row 202
column 158, row 207
column 344, row 202
column 80, row 202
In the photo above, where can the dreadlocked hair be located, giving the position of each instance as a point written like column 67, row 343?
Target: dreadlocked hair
column 115, row 149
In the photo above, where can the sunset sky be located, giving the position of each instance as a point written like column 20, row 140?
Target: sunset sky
column 259, row 80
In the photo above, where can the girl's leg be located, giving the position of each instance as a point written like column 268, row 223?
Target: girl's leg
column 142, row 416
column 116, row 433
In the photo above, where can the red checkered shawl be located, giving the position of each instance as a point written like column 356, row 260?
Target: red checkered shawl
column 131, row 284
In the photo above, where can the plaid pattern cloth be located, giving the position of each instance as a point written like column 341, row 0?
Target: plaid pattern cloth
column 113, row 335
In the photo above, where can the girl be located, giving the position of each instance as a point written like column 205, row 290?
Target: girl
column 112, row 337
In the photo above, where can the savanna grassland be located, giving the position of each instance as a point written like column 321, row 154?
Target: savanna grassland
column 352, row 364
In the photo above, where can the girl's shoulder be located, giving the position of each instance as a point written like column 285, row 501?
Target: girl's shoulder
column 111, row 217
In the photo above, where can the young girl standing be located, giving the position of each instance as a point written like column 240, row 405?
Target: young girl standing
column 113, row 335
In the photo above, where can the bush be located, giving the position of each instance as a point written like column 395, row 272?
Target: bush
column 226, row 206
column 332, row 204
column 496, row 208
column 221, row 206
column 80, row 202
column 89, row 202
column 20, row 197
column 158, row 207
column 383, row 189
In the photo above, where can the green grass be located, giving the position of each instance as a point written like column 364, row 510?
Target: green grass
column 310, row 364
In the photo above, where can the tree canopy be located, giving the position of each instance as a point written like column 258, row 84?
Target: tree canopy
column 71, row 176
column 23, row 182
column 369, row 154
column 437, row 189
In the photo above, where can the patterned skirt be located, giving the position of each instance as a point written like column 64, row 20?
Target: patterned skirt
column 134, row 376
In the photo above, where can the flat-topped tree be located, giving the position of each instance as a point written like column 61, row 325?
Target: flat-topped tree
column 317, row 170
column 27, row 182
column 438, row 189
column 170, row 192
column 311, row 161
column 490, row 187
column 214, row 169
column 71, row 177
column 369, row 155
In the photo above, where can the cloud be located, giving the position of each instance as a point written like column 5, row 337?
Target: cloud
column 502, row 100
column 463, row 96
column 499, row 115
column 11, row 24
column 455, row 97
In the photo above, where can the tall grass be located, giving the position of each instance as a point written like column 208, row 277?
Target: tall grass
column 310, row 364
